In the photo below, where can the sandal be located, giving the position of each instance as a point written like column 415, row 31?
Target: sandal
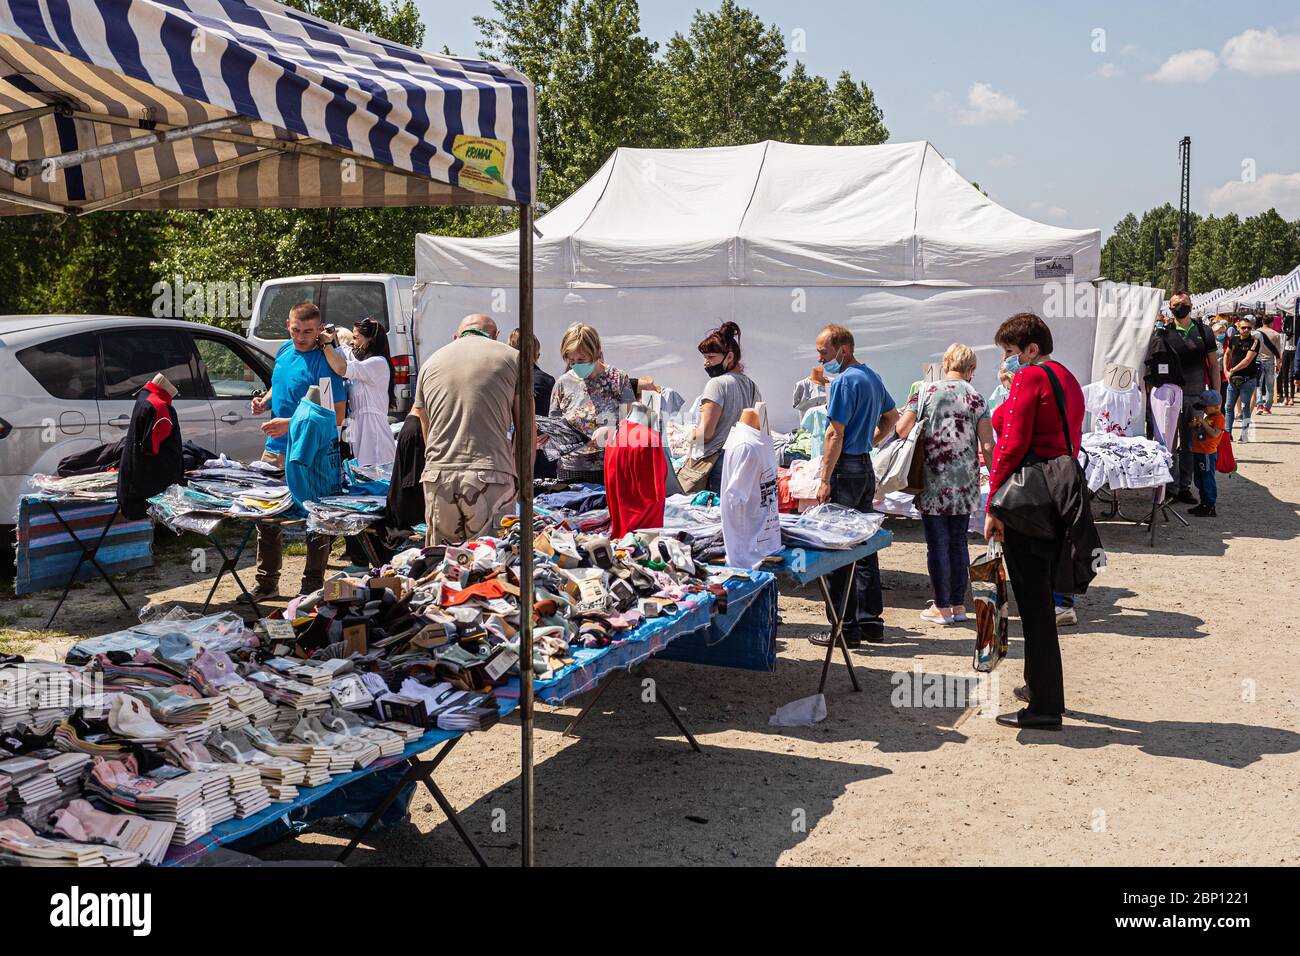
column 935, row 615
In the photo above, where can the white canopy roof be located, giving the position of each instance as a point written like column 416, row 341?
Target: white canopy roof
column 774, row 214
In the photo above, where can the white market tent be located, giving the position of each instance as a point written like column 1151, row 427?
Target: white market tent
column 662, row 245
column 1227, row 301
column 1277, row 294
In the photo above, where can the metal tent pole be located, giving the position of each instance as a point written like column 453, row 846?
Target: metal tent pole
column 525, row 453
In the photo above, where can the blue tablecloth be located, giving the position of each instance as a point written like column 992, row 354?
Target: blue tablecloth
column 805, row 565
column 750, row 612
column 46, row 553
column 231, row 831
column 695, row 617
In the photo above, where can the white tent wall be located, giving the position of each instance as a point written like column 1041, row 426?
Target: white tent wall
column 654, row 331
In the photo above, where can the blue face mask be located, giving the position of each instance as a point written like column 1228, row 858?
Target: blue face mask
column 832, row 367
column 1220, row 338
column 1012, row 364
column 584, row 369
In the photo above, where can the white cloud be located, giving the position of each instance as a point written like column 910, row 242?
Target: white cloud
column 1190, row 66
column 989, row 106
column 1129, row 49
column 1109, row 71
column 1005, row 161
column 1271, row 191
column 1056, row 212
column 1263, row 52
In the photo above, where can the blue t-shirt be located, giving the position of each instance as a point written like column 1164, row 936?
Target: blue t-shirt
column 858, row 399
column 294, row 373
column 312, row 469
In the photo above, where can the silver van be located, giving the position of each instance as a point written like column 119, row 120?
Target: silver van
column 68, row 383
column 344, row 300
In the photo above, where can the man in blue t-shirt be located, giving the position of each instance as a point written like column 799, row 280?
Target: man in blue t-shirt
column 299, row 365
column 861, row 413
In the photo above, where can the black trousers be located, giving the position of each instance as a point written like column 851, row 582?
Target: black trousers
column 853, row 484
column 1031, row 566
column 1184, row 469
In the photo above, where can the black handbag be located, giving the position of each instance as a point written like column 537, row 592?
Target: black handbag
column 1024, row 503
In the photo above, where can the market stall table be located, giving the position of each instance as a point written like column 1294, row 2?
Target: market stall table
column 805, row 565
column 232, row 831
column 747, row 606
column 45, row 547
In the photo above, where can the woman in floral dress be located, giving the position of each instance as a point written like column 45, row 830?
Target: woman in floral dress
column 588, row 396
column 956, row 422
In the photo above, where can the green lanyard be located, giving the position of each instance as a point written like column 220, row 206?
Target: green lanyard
column 474, row 332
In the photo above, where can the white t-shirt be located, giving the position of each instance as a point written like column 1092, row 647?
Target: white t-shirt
column 751, row 526
column 1113, row 413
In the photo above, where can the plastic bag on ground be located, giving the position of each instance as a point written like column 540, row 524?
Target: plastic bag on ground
column 803, row 712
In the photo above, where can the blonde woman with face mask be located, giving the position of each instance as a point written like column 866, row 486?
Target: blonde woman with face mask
column 956, row 427
column 588, row 396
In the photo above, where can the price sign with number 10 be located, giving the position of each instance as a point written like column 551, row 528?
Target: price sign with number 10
column 1119, row 378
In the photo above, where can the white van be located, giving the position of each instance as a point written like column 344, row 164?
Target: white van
column 343, row 301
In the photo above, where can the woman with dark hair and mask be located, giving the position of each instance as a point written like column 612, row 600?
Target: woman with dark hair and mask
column 728, row 393
column 368, row 366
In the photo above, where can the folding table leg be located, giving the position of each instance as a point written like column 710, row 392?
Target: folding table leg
column 87, row 554
column 230, row 565
column 416, row 770
column 663, row 701
column 454, row 818
column 586, row 708
column 837, row 630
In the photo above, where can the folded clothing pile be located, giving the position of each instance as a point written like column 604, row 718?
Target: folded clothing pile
column 81, row 822
column 223, row 488
column 21, row 846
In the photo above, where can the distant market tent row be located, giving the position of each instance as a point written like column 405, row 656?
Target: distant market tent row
column 152, row 104
column 661, row 245
column 1270, row 296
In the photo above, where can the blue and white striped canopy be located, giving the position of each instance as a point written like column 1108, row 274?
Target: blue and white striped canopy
column 291, row 111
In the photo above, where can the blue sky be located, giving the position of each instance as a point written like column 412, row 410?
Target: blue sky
column 1015, row 94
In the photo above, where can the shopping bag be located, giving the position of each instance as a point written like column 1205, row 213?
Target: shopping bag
column 1227, row 461
column 988, row 575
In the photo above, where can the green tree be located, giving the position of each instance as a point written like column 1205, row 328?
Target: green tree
column 595, row 76
column 805, row 110
column 722, row 79
column 860, row 121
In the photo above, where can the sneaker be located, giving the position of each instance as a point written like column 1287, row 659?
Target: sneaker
column 936, row 615
column 1185, row 496
column 823, row 639
column 263, row 589
column 958, row 614
column 1204, row 512
column 1065, row 617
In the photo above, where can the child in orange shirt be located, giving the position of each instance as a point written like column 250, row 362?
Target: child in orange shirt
column 1207, row 431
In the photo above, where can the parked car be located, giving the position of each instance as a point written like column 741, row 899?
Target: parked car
column 68, row 383
column 343, row 301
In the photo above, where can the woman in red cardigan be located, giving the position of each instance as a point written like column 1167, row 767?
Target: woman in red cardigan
column 1029, row 422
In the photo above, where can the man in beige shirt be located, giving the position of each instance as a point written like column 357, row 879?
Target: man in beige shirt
column 466, row 398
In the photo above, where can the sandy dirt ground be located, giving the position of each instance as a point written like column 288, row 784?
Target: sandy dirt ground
column 1181, row 745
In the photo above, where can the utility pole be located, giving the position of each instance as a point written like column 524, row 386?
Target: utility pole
column 1182, row 242
column 1155, row 253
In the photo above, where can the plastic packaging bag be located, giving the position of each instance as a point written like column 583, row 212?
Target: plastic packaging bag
column 803, row 712
column 830, row 527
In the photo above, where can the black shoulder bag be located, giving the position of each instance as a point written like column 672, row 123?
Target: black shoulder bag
column 1024, row 503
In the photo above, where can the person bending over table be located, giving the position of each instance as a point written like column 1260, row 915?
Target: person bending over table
column 299, row 365
column 588, row 397
column 729, row 392
column 861, row 412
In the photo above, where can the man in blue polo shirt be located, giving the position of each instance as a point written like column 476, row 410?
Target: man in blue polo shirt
column 299, row 365
column 861, row 414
